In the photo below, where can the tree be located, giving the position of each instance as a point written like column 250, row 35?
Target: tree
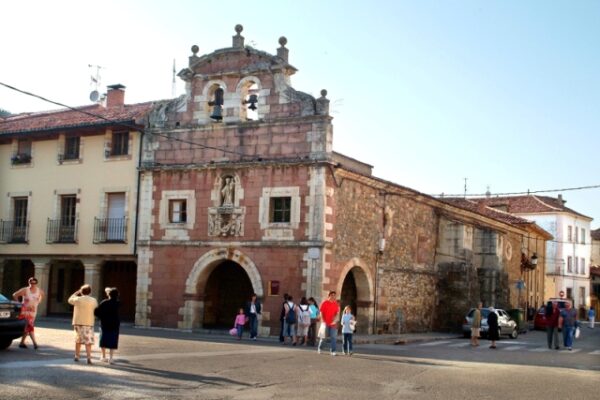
column 4, row 113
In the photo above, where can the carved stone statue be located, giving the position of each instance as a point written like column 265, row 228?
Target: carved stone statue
column 227, row 192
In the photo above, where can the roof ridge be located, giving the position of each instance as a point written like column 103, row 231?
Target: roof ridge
column 546, row 204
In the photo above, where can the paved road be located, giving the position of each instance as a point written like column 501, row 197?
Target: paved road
column 175, row 365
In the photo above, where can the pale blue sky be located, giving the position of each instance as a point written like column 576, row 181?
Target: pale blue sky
column 504, row 93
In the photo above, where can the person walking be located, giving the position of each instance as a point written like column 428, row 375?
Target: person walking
column 591, row 317
column 83, row 320
column 568, row 323
column 314, row 318
column 493, row 333
column 31, row 297
column 303, row 321
column 253, row 312
column 281, row 318
column 552, row 315
column 330, row 311
column 348, row 326
column 290, row 321
column 476, row 325
column 108, row 313
column 240, row 321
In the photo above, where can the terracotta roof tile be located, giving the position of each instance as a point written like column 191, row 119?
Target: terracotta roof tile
column 531, row 204
column 60, row 119
column 489, row 212
column 596, row 234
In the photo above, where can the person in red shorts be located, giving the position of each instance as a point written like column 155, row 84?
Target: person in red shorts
column 330, row 311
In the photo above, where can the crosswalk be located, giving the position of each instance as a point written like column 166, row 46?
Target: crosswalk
column 510, row 346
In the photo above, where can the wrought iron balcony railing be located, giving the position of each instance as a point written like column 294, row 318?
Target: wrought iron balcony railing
column 60, row 231
column 14, row 231
column 20, row 158
column 110, row 230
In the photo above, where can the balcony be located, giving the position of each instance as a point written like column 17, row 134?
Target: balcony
column 20, row 158
column 59, row 231
column 110, row 230
column 14, row 231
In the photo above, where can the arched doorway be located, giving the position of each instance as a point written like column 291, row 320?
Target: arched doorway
column 227, row 289
column 356, row 292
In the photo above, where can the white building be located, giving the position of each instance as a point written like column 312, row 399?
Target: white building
column 568, row 256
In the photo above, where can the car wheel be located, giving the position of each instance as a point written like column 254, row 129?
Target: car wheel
column 4, row 343
column 514, row 334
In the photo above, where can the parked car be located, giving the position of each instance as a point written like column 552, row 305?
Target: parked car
column 539, row 321
column 506, row 325
column 11, row 327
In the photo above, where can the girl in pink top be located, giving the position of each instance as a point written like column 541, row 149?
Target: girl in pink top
column 240, row 321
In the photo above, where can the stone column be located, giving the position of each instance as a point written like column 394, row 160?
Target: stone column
column 41, row 269
column 92, row 277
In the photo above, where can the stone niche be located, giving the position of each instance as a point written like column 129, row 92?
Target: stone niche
column 226, row 216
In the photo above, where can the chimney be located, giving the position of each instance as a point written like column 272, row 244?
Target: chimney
column 115, row 96
column 560, row 199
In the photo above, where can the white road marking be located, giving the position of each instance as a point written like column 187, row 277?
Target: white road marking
column 511, row 348
column 460, row 345
column 436, row 343
column 596, row 353
column 541, row 349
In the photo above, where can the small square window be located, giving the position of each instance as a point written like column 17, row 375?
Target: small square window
column 177, row 211
column 281, row 209
column 72, row 148
column 120, row 144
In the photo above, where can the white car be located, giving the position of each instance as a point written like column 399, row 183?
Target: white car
column 506, row 325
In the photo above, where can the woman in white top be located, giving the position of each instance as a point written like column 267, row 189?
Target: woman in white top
column 32, row 296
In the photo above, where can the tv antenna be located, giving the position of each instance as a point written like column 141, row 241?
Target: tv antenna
column 95, row 81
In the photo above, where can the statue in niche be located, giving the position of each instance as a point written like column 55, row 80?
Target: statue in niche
column 227, row 192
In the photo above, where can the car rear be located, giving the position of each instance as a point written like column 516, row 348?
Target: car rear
column 11, row 327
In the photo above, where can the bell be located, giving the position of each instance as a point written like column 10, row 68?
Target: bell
column 217, row 113
column 252, row 99
column 217, row 104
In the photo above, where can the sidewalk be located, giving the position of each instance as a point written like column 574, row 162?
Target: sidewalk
column 206, row 334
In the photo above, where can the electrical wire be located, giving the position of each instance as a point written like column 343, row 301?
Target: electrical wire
column 134, row 127
column 491, row 195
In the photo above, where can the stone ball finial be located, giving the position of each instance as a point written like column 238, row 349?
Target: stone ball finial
column 283, row 41
column 324, row 93
column 195, row 49
column 239, row 28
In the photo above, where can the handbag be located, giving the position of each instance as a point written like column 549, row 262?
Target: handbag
column 577, row 333
column 353, row 324
column 322, row 330
column 233, row 332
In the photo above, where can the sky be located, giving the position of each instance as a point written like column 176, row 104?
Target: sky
column 504, row 94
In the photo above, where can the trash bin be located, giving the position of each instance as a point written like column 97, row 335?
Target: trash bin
column 518, row 315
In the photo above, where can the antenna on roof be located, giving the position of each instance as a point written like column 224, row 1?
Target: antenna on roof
column 95, row 81
column 174, row 84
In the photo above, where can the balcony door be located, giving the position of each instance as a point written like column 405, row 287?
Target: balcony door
column 116, row 217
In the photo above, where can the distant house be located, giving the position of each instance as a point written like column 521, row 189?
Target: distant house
column 69, row 183
column 569, row 254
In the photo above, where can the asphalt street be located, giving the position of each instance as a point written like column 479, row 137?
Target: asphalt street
column 160, row 364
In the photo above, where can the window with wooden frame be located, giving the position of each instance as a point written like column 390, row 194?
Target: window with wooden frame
column 71, row 148
column 177, row 211
column 120, row 143
column 280, row 208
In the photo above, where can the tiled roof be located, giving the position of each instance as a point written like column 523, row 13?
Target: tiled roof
column 531, row 204
column 61, row 119
column 472, row 205
column 595, row 271
column 596, row 234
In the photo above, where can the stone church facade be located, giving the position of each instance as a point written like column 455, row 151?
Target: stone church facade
column 241, row 192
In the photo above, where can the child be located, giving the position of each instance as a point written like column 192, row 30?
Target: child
column 240, row 321
column 348, row 324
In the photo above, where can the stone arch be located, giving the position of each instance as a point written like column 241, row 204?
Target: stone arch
column 361, row 282
column 193, row 309
column 242, row 92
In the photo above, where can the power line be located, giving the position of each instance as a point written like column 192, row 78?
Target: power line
column 517, row 193
column 137, row 128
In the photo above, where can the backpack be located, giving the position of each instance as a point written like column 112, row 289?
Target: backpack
column 290, row 318
column 304, row 316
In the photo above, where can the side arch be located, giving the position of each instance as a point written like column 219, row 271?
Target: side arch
column 355, row 288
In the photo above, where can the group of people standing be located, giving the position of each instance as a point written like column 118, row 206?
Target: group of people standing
column 560, row 319
column 85, row 310
column 302, row 324
column 299, row 323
